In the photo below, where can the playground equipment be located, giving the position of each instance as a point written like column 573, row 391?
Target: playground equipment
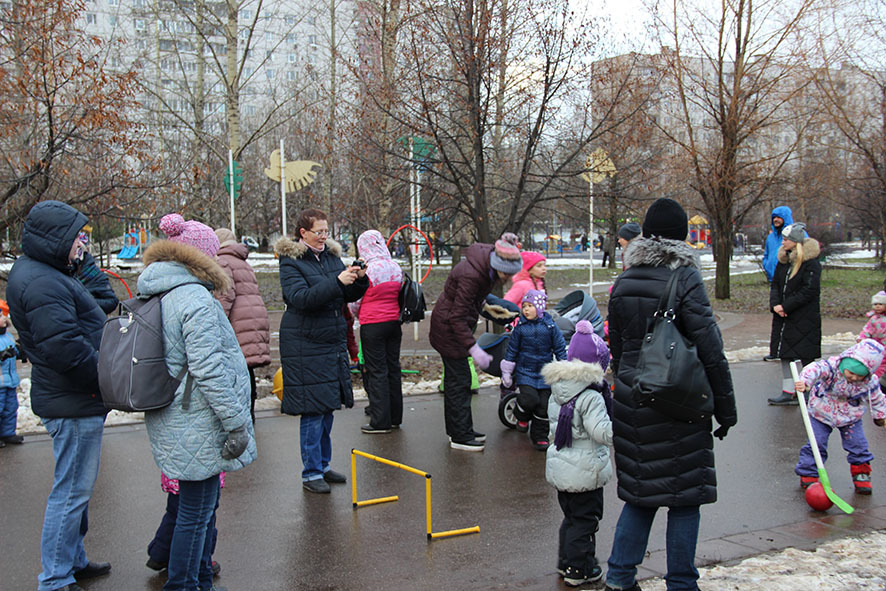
column 131, row 245
column 357, row 504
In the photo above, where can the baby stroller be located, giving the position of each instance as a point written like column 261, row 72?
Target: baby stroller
column 577, row 305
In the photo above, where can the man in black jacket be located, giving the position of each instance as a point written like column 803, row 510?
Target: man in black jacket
column 662, row 462
column 60, row 327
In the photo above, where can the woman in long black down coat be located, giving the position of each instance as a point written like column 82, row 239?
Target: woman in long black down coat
column 661, row 462
column 794, row 302
column 313, row 340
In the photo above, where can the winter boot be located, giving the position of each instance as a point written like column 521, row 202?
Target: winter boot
column 806, row 481
column 785, row 399
column 861, row 477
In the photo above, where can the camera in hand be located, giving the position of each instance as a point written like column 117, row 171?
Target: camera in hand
column 359, row 264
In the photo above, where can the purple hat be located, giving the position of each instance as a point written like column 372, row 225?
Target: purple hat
column 537, row 298
column 190, row 232
column 587, row 346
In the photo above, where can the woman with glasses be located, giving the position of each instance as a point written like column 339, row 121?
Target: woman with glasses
column 313, row 339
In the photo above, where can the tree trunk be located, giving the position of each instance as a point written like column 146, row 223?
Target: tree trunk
column 723, row 253
column 232, row 80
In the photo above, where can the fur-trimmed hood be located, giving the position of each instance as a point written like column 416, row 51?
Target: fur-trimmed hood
column 296, row 249
column 568, row 378
column 660, row 252
column 155, row 279
column 811, row 250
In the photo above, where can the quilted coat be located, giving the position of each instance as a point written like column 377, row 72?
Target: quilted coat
column 835, row 401
column 187, row 442
column 313, row 341
column 660, row 461
column 457, row 310
column 585, row 464
column 59, row 323
column 797, row 335
column 532, row 344
column 244, row 305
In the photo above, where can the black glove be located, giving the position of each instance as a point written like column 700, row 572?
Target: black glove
column 236, row 443
column 8, row 353
column 721, row 432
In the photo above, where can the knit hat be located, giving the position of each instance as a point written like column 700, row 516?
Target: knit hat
column 190, row 232
column 853, row 365
column 796, row 232
column 878, row 298
column 630, row 231
column 225, row 236
column 587, row 346
column 530, row 259
column 666, row 219
column 505, row 257
column 537, row 298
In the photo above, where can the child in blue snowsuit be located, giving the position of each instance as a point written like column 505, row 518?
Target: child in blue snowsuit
column 8, row 383
column 534, row 342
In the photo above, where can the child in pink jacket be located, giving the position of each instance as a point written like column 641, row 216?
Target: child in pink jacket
column 876, row 327
column 840, row 389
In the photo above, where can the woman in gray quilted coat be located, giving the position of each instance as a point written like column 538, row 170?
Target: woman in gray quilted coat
column 207, row 428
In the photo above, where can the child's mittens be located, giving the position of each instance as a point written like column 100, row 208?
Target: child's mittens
column 481, row 358
column 507, row 371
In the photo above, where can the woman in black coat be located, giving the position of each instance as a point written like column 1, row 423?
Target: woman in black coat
column 662, row 462
column 313, row 340
column 794, row 302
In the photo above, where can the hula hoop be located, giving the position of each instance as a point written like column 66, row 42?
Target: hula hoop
column 423, row 235
column 112, row 274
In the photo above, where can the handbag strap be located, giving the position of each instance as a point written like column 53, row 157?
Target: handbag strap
column 669, row 296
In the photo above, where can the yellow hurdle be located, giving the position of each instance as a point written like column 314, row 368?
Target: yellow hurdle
column 379, row 500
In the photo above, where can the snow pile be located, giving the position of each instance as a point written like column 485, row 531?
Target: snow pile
column 830, row 345
column 850, row 563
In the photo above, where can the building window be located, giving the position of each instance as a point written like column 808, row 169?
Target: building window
column 271, row 74
column 292, row 58
column 112, row 20
column 139, row 24
column 113, row 2
column 291, row 21
column 245, row 15
column 292, row 75
column 90, row 18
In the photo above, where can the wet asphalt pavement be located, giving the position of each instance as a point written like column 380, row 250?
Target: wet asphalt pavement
column 275, row 536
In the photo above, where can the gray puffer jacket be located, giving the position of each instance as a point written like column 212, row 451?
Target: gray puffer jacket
column 585, row 464
column 187, row 443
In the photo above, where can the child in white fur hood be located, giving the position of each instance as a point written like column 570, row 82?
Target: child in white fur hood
column 578, row 459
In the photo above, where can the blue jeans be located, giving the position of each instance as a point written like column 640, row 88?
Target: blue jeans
column 316, row 445
column 632, row 536
column 190, row 555
column 158, row 548
column 854, row 442
column 76, row 445
column 8, row 411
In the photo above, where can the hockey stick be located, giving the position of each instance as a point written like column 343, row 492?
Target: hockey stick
column 822, row 473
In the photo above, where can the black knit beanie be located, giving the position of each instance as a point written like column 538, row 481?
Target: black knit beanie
column 665, row 218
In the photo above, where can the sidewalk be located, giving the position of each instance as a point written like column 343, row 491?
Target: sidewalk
column 274, row 536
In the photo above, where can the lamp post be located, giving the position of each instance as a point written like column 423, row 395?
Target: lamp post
column 598, row 166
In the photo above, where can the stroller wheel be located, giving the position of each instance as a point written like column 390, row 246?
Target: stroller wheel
column 506, row 410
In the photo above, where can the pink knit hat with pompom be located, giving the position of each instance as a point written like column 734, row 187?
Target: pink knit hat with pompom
column 190, row 232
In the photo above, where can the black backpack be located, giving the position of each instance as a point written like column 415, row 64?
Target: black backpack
column 132, row 373
column 412, row 301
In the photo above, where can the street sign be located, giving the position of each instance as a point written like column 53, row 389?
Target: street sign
column 238, row 179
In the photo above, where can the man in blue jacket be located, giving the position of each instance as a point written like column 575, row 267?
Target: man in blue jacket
column 60, row 327
column 781, row 217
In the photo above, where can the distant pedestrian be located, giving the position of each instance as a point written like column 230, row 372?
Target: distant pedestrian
column 662, row 462
column 577, row 462
column 244, row 306
column 531, row 276
column 316, row 286
column 60, row 328
column 605, row 246
column 794, row 302
column 876, row 327
column 206, row 429
column 453, row 321
column 533, row 343
column 840, row 389
column 781, row 217
column 8, row 386
column 626, row 233
column 378, row 312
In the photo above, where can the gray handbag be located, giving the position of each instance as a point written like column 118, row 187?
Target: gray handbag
column 670, row 377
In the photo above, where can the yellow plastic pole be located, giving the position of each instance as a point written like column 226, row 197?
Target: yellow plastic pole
column 455, row 532
column 428, row 502
column 376, row 501
column 353, row 479
column 389, row 462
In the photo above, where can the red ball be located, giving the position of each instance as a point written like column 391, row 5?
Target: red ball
column 817, row 498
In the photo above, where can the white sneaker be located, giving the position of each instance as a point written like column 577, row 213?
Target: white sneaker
column 472, row 445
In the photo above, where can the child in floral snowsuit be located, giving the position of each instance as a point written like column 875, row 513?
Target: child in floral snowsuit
column 840, row 389
column 876, row 329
